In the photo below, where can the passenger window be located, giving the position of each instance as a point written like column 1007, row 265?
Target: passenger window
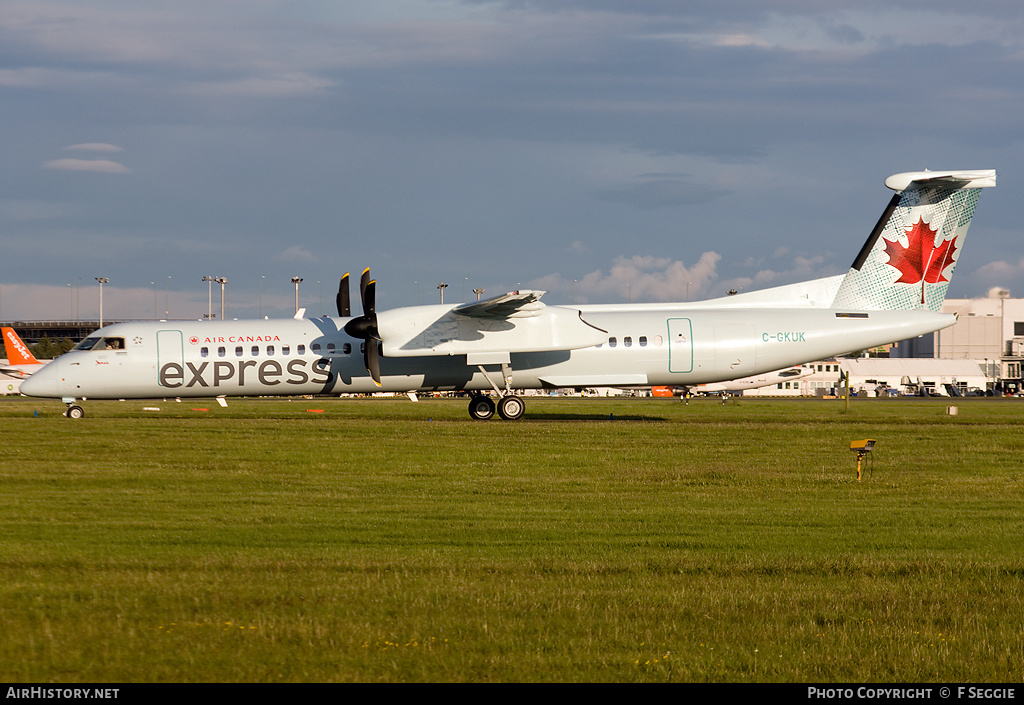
column 238, row 351
column 658, row 340
column 316, row 348
column 346, row 348
column 301, row 350
column 270, row 350
column 204, row 352
column 643, row 341
column 612, row 342
column 330, row 348
column 627, row 341
column 221, row 352
column 255, row 350
column 286, row 350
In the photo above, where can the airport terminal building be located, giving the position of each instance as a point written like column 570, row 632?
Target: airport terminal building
column 983, row 351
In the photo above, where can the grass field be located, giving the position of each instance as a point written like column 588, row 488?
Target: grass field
column 595, row 540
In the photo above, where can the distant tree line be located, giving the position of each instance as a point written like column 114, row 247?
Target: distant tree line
column 47, row 349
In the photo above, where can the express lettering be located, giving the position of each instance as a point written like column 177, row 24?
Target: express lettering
column 268, row 373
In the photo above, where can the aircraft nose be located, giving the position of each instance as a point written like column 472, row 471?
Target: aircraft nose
column 43, row 383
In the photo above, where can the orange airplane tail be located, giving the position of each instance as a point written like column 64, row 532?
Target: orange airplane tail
column 17, row 352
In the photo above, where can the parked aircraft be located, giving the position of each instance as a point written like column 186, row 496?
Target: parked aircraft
column 893, row 291
column 767, row 379
column 20, row 360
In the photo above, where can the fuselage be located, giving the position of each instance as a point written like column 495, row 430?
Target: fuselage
column 644, row 345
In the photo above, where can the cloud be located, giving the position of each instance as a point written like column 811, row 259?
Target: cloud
column 663, row 192
column 104, row 166
column 638, row 278
column 1001, row 268
column 297, row 253
column 94, row 147
column 280, row 86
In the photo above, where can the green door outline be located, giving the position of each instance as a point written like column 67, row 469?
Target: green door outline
column 169, row 348
column 680, row 345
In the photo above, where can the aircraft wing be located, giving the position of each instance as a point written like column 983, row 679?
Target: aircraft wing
column 486, row 330
column 514, row 304
column 19, row 371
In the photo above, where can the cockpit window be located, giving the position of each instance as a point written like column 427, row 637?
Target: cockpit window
column 98, row 343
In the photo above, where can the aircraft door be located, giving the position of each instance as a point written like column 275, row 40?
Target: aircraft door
column 169, row 349
column 680, row 345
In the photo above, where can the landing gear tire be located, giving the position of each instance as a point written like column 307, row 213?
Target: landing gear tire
column 481, row 408
column 511, row 408
column 74, row 412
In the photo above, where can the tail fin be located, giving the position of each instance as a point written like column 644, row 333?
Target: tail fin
column 17, row 352
column 909, row 257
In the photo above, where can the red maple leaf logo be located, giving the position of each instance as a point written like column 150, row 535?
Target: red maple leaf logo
column 920, row 259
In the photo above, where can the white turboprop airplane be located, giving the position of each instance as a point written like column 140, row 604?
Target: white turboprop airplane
column 20, row 361
column 893, row 291
column 769, row 379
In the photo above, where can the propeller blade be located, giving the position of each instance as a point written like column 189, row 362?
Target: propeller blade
column 344, row 306
column 372, row 359
column 363, row 281
column 365, row 326
column 370, row 301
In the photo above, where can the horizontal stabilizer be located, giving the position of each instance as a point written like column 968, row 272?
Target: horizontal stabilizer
column 979, row 178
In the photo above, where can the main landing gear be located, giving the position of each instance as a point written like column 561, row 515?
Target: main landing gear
column 510, row 407
column 74, row 411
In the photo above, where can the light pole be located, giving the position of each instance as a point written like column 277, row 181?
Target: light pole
column 222, row 281
column 479, row 290
column 441, row 287
column 102, row 281
column 296, row 281
column 209, row 297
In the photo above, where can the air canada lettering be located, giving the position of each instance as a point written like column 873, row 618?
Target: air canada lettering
column 268, row 373
column 237, row 339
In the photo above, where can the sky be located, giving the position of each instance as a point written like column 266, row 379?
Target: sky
column 603, row 151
